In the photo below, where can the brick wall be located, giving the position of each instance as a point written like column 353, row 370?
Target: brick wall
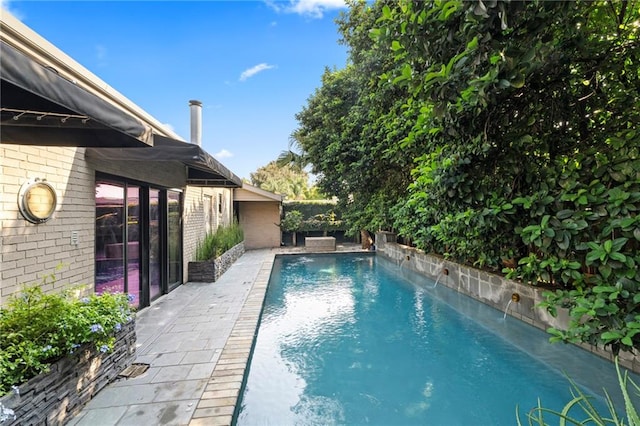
column 30, row 251
column 193, row 218
column 259, row 221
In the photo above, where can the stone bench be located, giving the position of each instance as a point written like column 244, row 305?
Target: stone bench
column 320, row 243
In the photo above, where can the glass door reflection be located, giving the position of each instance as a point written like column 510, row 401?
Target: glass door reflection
column 132, row 258
column 174, row 238
column 155, row 253
column 110, row 214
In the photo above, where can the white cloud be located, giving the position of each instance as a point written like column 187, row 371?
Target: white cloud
column 255, row 70
column 168, row 126
column 6, row 5
column 310, row 8
column 101, row 55
column 223, row 154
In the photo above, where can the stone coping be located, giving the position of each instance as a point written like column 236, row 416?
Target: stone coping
column 222, row 392
column 491, row 289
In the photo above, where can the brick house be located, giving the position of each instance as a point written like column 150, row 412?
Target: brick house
column 93, row 187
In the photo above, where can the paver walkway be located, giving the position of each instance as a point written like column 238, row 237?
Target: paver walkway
column 197, row 340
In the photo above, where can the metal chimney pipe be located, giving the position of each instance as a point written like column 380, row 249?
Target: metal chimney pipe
column 196, row 122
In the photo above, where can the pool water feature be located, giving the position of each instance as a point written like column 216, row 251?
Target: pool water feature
column 349, row 339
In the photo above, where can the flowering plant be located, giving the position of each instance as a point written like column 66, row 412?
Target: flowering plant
column 37, row 329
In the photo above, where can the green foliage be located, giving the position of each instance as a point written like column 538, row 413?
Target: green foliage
column 312, row 215
column 493, row 131
column 214, row 244
column 350, row 128
column 36, row 329
column 285, row 179
column 580, row 405
column 292, row 221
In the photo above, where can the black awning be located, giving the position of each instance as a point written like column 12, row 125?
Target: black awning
column 39, row 107
column 202, row 168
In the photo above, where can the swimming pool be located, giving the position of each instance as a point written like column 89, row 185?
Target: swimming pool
column 353, row 339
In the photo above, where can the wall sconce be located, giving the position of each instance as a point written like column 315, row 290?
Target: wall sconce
column 37, row 200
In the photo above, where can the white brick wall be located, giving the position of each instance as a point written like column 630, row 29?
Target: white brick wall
column 30, row 252
column 193, row 217
column 259, row 221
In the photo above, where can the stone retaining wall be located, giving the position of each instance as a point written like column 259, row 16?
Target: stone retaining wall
column 491, row 289
column 54, row 398
column 227, row 259
column 208, row 271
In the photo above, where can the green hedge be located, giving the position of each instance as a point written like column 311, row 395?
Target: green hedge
column 316, row 215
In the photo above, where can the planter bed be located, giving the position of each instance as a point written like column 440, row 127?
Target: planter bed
column 208, row 271
column 55, row 397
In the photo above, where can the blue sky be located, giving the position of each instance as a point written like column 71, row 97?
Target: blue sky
column 253, row 64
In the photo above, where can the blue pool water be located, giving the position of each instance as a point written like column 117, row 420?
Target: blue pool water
column 353, row 339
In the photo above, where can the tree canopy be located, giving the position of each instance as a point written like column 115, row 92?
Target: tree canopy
column 290, row 181
column 492, row 130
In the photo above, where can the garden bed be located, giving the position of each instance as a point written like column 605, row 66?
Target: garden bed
column 211, row 270
column 55, row 397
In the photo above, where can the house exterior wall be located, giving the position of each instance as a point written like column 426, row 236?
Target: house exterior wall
column 29, row 252
column 194, row 227
column 259, row 222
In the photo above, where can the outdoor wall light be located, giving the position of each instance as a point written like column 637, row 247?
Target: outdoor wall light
column 37, row 200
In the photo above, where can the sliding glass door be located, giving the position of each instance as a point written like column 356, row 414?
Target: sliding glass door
column 174, row 237
column 149, row 220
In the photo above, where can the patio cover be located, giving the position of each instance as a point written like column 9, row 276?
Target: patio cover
column 40, row 107
column 202, row 168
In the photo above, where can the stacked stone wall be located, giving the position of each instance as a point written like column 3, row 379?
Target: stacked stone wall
column 54, row 398
column 225, row 261
column 211, row 270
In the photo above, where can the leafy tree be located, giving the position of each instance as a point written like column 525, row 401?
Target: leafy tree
column 292, row 222
column 350, row 128
column 488, row 130
column 289, row 181
column 527, row 117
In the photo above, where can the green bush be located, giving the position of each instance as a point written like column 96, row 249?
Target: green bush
column 311, row 215
column 218, row 242
column 292, row 221
column 36, row 329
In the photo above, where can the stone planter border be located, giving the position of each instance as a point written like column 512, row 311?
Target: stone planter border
column 211, row 270
column 491, row 289
column 55, row 397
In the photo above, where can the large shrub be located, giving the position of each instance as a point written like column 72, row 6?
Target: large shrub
column 311, row 215
column 37, row 329
column 215, row 243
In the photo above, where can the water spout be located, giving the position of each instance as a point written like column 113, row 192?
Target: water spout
column 443, row 271
column 504, row 317
column 515, row 297
column 404, row 260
